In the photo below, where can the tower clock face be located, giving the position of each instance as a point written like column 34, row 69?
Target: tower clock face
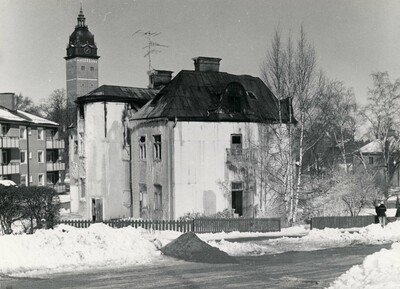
column 86, row 50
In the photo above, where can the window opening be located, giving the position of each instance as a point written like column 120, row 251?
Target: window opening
column 157, row 147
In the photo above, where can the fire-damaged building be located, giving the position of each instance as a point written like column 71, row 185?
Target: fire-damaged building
column 195, row 146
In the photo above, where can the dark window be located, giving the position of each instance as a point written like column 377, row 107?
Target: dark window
column 142, row 148
column 91, row 68
column 234, row 96
column 236, row 144
column 371, row 160
column 82, row 67
column 157, row 147
column 81, row 112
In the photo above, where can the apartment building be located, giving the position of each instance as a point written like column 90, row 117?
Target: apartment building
column 30, row 148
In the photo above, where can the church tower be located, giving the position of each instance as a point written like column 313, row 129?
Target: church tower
column 82, row 61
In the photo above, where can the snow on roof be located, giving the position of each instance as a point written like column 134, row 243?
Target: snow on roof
column 376, row 146
column 6, row 114
column 36, row 119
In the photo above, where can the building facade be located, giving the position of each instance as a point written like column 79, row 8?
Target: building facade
column 196, row 147
column 30, row 148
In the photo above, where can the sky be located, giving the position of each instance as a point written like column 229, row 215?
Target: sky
column 352, row 38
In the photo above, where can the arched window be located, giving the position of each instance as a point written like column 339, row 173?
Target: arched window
column 234, row 97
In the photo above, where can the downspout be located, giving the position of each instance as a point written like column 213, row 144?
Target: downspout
column 27, row 155
column 171, row 169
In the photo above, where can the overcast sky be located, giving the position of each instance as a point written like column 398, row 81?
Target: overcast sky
column 352, row 38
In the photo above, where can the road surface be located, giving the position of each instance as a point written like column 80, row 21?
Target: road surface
column 312, row 269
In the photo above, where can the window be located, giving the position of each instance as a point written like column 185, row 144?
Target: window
column 40, row 180
column 29, row 131
column 22, row 132
column 82, row 67
column 83, row 188
column 4, row 129
column 4, row 156
column 40, row 157
column 233, row 97
column 157, row 147
column 142, row 148
column 30, row 179
column 142, row 199
column 91, row 68
column 30, row 155
column 23, row 180
column 51, row 179
column 40, row 133
column 236, row 144
column 49, row 156
column 81, row 112
column 23, row 157
column 157, row 197
column 371, row 160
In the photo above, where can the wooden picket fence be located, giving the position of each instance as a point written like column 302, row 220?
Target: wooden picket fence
column 196, row 225
column 342, row 222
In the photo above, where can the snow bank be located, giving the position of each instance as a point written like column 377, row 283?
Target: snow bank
column 67, row 248
column 314, row 240
column 380, row 270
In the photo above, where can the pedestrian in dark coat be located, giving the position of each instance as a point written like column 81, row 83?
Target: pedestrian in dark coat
column 381, row 213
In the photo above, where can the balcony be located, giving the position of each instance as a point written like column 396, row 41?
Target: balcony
column 9, row 169
column 248, row 156
column 54, row 143
column 9, row 142
column 57, row 166
column 59, row 188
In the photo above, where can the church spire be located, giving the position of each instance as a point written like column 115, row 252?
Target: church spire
column 81, row 18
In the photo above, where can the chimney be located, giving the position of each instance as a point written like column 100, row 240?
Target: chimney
column 202, row 63
column 7, row 99
column 159, row 78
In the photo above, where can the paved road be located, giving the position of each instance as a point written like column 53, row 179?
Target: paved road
column 313, row 269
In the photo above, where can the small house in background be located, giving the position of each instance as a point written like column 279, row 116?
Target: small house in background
column 197, row 145
column 30, row 148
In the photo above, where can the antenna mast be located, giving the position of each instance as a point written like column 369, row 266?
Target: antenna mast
column 151, row 45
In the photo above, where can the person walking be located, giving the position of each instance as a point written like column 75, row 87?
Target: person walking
column 381, row 213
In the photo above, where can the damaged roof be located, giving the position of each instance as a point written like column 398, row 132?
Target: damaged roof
column 199, row 96
column 113, row 93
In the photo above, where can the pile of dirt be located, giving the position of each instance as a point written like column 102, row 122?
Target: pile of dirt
column 190, row 248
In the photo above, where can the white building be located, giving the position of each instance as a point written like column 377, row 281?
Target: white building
column 196, row 145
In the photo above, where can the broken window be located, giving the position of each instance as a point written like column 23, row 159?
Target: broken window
column 236, row 144
column 157, row 147
column 142, row 148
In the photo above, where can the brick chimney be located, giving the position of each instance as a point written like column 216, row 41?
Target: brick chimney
column 159, row 78
column 7, row 99
column 202, row 63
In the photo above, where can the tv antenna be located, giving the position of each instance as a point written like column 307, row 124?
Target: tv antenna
column 151, row 46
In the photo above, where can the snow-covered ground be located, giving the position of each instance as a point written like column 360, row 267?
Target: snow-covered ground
column 69, row 249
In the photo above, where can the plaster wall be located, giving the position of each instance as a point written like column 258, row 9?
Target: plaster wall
column 106, row 160
column 201, row 176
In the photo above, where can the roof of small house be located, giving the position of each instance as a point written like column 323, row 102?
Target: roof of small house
column 197, row 96
column 376, row 146
column 19, row 116
column 114, row 93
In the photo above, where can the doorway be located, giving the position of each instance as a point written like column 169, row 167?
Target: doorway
column 97, row 210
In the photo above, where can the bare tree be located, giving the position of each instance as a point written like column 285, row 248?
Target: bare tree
column 382, row 114
column 25, row 103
